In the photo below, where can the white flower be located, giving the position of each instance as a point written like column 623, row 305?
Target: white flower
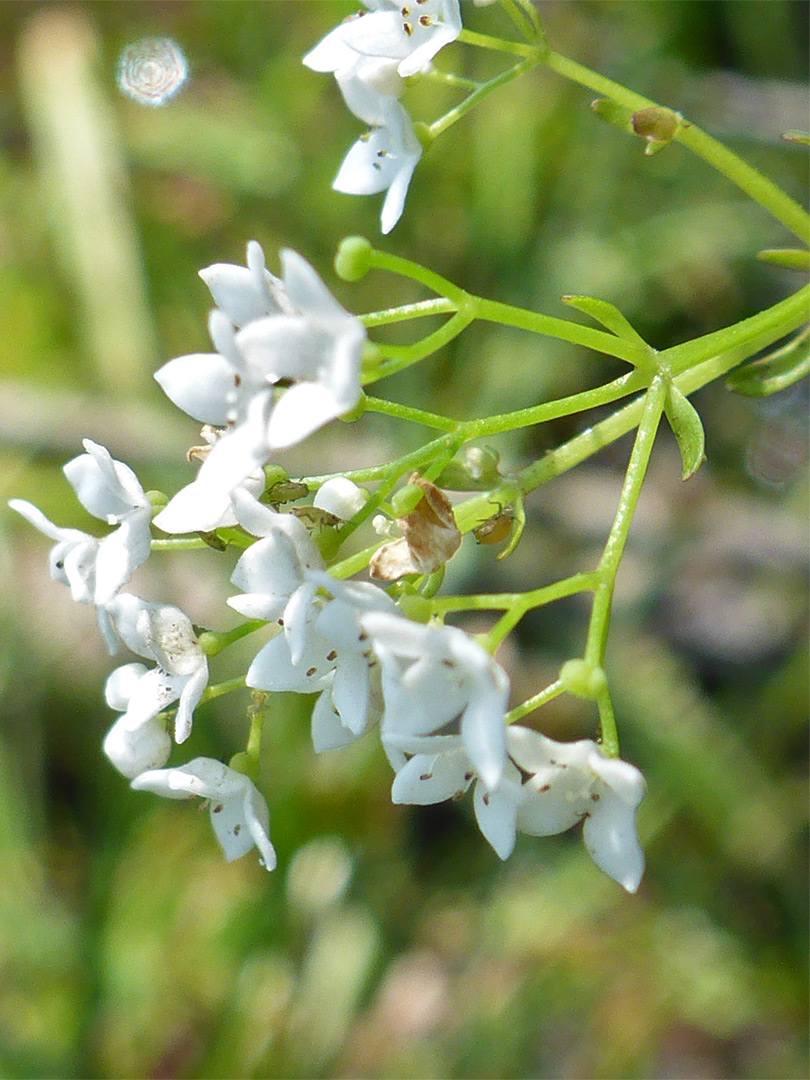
column 411, row 34
column 431, row 769
column 161, row 632
column 238, row 811
column 96, row 569
column 318, row 349
column 434, row 677
column 292, row 331
column 383, row 159
column 138, row 740
column 573, row 782
column 324, row 648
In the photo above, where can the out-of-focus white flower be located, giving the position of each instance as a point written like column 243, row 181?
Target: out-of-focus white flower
column 383, row 159
column 434, row 677
column 292, row 331
column 238, row 811
column 411, row 34
column 571, row 782
column 138, row 740
column 163, row 633
column 96, row 569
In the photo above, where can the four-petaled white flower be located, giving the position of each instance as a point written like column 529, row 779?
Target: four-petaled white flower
column 293, row 332
column 96, row 569
column 163, row 633
column 138, row 740
column 571, row 782
column 433, row 768
column 383, row 159
column 238, row 811
column 436, row 679
column 410, row 34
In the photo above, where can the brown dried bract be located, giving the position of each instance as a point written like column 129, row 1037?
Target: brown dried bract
column 430, row 537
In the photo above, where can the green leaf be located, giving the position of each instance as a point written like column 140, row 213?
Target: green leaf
column 776, row 371
column 792, row 258
column 609, row 316
column 688, row 430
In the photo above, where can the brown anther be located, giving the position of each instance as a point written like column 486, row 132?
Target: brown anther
column 425, row 20
column 311, row 671
column 331, row 655
column 408, row 29
column 217, row 809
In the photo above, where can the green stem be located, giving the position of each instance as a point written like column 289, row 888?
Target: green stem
column 564, row 329
column 400, row 357
column 525, row 602
column 451, row 117
column 485, row 41
column 383, row 260
column 405, row 412
column 614, row 549
column 213, row 642
column 186, row 544
column 219, row 689
column 763, row 191
column 438, row 306
column 532, row 703
column 506, row 601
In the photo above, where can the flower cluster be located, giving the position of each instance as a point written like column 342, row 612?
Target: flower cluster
column 288, row 361
column 371, row 54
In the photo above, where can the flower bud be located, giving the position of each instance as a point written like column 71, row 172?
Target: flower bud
column 353, row 258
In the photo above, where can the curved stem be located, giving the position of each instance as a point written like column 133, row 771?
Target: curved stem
column 763, row 191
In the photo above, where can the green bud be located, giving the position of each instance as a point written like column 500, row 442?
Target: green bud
column 618, row 115
column 416, row 607
column 658, row 126
column 274, row 474
column 582, row 678
column 242, row 762
column 209, row 642
column 406, row 499
column 158, row 499
column 474, row 469
column 353, row 258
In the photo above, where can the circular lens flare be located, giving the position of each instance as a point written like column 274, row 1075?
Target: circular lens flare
column 152, row 71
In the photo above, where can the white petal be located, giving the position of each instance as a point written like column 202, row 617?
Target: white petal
column 350, row 691
column 432, row 778
column 121, row 685
column 303, row 409
column 203, row 385
column 496, row 812
column 189, row 699
column 121, row 553
column 107, row 489
column 340, row 497
column 612, row 840
column 135, row 752
column 328, row 730
column 553, row 801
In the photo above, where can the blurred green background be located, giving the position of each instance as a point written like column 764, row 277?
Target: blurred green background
column 390, row 941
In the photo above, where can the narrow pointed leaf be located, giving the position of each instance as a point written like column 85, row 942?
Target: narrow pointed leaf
column 688, row 430
column 609, row 316
column 776, row 371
